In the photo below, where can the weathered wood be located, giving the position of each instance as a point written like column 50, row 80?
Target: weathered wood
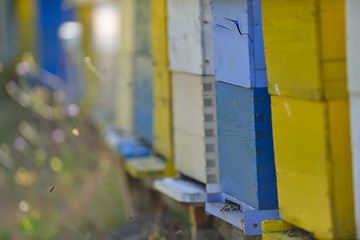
column 313, row 164
column 145, row 167
column 246, row 158
column 238, row 43
column 189, row 32
column 304, row 57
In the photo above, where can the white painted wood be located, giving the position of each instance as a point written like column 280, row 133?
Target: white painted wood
column 181, row 190
column 190, row 36
column 353, row 46
column 189, row 124
column 353, row 72
column 355, row 142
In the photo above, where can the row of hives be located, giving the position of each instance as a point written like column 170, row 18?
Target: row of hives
column 244, row 104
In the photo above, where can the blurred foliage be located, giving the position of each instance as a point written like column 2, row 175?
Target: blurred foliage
column 56, row 179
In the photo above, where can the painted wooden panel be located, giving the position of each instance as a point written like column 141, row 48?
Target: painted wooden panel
column 26, row 18
column 353, row 47
column 124, row 113
column 238, row 41
column 355, row 137
column 245, row 145
column 190, row 30
column 143, row 98
column 313, row 164
column 189, row 125
column 163, row 142
column 49, row 17
column 143, row 26
column 128, row 25
column 304, row 57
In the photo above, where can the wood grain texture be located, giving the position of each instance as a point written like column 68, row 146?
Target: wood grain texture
column 238, row 43
column 246, row 159
column 305, row 59
column 355, row 142
column 313, row 164
column 353, row 47
column 189, row 32
column 163, row 142
column 188, row 122
column 143, row 98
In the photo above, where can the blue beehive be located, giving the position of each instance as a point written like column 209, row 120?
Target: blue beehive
column 50, row 53
column 238, row 43
column 247, row 170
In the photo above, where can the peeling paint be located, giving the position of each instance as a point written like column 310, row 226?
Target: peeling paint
column 236, row 22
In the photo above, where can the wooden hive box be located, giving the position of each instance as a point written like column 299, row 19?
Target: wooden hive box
column 353, row 70
column 189, row 35
column 189, row 125
column 313, row 165
column 305, row 59
column 238, row 43
column 246, row 158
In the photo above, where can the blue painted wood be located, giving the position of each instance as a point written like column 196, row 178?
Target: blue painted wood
column 238, row 43
column 246, row 158
column 50, row 15
column 246, row 217
column 143, row 26
column 143, row 109
column 128, row 147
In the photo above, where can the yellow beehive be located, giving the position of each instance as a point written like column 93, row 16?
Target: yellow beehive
column 124, row 86
column 313, row 164
column 305, row 48
column 26, row 18
column 163, row 144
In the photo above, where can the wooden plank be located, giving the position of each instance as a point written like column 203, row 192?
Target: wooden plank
column 189, row 30
column 189, row 125
column 353, row 49
column 145, row 167
column 245, row 145
column 313, row 165
column 143, row 98
column 163, row 142
column 26, row 18
column 355, row 140
column 181, row 190
column 238, row 43
column 299, row 35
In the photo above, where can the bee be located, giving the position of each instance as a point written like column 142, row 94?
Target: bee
column 230, row 206
column 51, row 189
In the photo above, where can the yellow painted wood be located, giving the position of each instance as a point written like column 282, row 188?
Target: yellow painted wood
column 313, row 164
column 275, row 226
column 305, row 48
column 26, row 17
column 163, row 143
column 128, row 25
column 124, row 97
column 84, row 13
column 145, row 167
